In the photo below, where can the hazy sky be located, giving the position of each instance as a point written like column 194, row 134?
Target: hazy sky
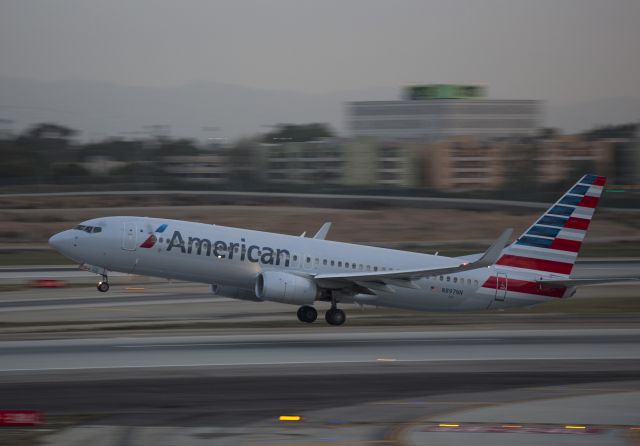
column 559, row 50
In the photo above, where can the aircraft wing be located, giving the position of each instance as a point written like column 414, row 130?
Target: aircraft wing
column 379, row 280
column 585, row 282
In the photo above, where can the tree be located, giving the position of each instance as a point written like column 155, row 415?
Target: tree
column 70, row 170
column 177, row 147
column 48, row 130
column 298, row 133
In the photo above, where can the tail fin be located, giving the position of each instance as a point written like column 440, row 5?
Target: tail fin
column 551, row 245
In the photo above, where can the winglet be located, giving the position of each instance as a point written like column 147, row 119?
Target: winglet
column 323, row 231
column 492, row 254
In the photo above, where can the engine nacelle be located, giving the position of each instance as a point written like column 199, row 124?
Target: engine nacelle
column 285, row 288
column 233, row 292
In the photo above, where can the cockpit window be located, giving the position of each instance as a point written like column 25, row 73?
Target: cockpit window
column 88, row 229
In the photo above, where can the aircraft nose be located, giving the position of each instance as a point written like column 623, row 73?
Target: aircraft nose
column 61, row 241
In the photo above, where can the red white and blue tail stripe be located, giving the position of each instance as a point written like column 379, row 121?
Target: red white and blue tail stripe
column 550, row 246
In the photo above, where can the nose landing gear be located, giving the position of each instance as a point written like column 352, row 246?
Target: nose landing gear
column 103, row 285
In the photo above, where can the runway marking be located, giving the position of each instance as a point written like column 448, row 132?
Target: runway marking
column 103, row 304
column 284, row 363
column 418, row 403
column 355, row 341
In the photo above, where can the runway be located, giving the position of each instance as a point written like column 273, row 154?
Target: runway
column 366, row 382
column 319, row 349
column 232, row 368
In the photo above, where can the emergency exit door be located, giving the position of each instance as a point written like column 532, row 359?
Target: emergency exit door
column 129, row 236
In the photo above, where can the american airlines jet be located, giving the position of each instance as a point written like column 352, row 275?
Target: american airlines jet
column 299, row 270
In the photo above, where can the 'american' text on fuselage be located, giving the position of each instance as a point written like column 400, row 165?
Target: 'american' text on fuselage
column 220, row 249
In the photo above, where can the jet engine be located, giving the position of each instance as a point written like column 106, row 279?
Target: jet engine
column 233, row 292
column 285, row 288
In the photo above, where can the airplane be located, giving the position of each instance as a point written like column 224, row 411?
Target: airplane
column 299, row 270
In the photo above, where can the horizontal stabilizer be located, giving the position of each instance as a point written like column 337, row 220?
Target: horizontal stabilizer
column 585, row 282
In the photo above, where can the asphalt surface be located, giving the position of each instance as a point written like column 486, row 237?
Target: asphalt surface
column 242, row 378
column 346, row 382
column 319, row 348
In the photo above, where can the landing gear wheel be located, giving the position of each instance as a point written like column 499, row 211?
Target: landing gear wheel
column 307, row 314
column 335, row 316
column 103, row 286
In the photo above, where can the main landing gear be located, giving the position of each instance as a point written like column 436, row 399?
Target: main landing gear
column 103, row 285
column 335, row 316
column 307, row 314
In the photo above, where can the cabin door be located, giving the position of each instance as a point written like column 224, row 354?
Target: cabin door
column 501, row 286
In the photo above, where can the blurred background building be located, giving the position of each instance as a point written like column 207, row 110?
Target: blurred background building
column 432, row 113
column 444, row 138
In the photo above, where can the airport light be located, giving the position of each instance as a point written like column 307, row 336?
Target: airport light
column 290, row 418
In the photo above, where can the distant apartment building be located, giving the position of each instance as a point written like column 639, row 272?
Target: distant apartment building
column 310, row 162
column 463, row 163
column 571, row 155
column 433, row 113
column 210, row 168
column 467, row 163
column 373, row 163
column 358, row 162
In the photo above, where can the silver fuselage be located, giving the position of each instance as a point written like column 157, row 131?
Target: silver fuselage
column 233, row 257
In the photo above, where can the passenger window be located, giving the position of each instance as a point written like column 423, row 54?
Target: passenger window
column 448, row 278
column 333, row 263
column 360, row 267
column 468, row 281
column 441, row 278
column 455, row 280
column 475, row 282
column 368, row 267
column 295, row 257
column 353, row 266
column 340, row 263
column 324, row 261
column 375, row 268
column 346, row 264
column 308, row 259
